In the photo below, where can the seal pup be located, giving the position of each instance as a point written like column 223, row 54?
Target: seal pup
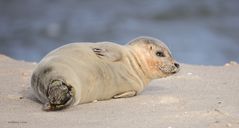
column 79, row 73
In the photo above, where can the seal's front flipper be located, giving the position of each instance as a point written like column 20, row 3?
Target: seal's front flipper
column 59, row 95
column 125, row 94
column 108, row 52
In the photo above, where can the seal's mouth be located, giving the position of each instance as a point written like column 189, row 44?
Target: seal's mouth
column 173, row 72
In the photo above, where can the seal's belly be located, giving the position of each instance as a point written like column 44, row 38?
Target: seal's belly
column 103, row 82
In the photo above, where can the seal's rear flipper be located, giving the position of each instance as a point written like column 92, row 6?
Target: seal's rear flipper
column 59, row 95
column 47, row 107
column 54, row 107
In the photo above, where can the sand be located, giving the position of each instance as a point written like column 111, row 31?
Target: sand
column 196, row 97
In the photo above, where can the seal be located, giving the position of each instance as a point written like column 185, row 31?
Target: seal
column 79, row 73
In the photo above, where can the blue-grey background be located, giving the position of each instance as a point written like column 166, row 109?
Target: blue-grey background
column 197, row 31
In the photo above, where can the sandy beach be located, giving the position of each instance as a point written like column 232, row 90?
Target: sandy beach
column 196, row 97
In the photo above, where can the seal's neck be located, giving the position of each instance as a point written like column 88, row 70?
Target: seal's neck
column 138, row 66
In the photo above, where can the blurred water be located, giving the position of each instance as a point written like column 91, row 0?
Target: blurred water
column 197, row 32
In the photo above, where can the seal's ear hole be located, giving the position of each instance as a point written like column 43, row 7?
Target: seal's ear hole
column 150, row 47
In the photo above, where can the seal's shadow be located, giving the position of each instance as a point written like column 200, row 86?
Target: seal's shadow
column 27, row 93
column 153, row 90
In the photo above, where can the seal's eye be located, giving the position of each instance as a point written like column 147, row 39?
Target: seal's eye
column 160, row 54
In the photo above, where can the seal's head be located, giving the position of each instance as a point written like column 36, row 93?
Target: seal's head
column 155, row 56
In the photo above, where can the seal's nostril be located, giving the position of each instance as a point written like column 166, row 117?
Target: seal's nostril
column 177, row 65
